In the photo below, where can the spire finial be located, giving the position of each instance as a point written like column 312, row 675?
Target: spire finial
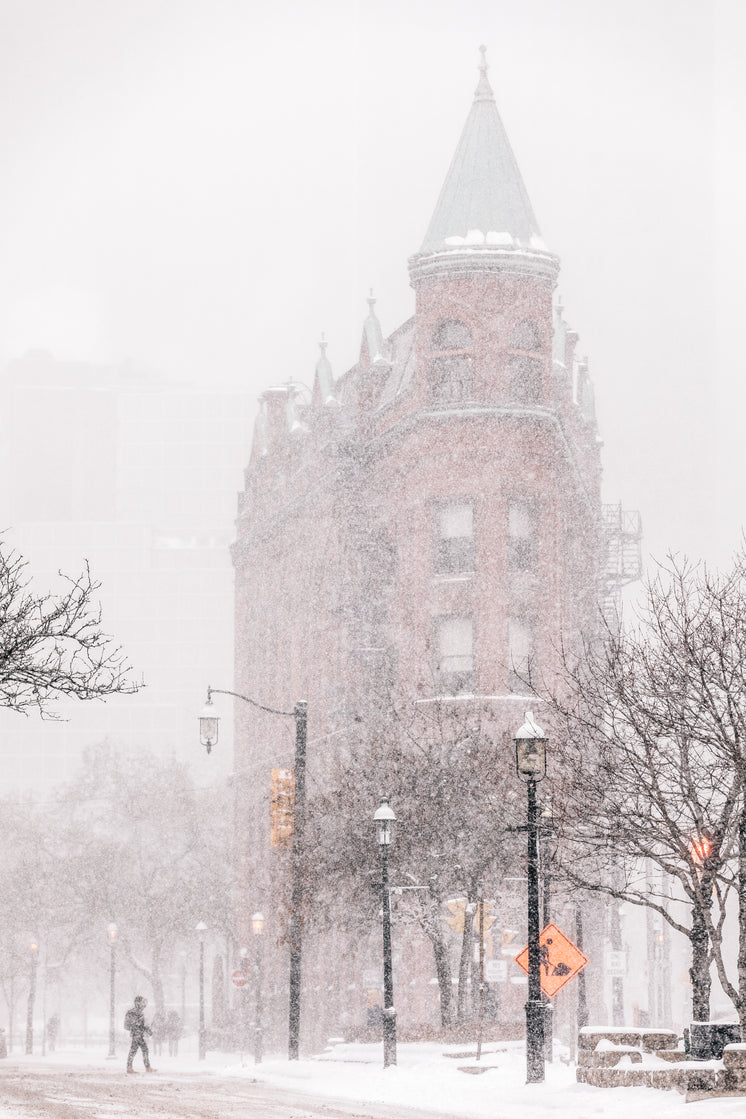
column 483, row 92
column 371, row 301
column 323, row 343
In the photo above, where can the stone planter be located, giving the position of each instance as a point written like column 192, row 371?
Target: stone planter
column 707, row 1040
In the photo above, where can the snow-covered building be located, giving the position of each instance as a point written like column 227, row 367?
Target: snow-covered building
column 430, row 521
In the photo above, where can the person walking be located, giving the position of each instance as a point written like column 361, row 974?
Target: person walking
column 134, row 1021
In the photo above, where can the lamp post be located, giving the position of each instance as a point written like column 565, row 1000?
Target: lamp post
column 201, row 929
column 34, row 964
column 257, row 927
column 546, row 827
column 208, row 726
column 531, row 764
column 112, row 933
column 385, row 819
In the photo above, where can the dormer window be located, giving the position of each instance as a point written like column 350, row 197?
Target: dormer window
column 451, row 362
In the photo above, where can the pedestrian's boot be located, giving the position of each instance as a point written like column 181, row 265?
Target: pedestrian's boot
column 151, row 1069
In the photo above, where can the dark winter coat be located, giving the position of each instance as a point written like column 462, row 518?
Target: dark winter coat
column 134, row 1021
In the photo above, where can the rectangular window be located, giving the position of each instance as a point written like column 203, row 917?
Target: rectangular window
column 521, row 653
column 455, row 650
column 521, row 535
column 454, row 538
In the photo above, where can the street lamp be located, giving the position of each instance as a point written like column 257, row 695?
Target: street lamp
column 112, row 933
column 208, row 730
column 257, row 927
column 385, row 819
column 531, row 764
column 34, row 963
column 201, row 929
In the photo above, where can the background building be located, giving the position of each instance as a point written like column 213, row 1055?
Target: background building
column 138, row 476
column 430, row 523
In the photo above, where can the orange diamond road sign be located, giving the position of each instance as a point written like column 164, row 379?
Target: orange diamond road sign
column 561, row 960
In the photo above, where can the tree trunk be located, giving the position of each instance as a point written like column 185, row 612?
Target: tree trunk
column 741, row 1006
column 157, row 982
column 445, row 984
column 431, row 924
column 699, row 972
column 465, row 963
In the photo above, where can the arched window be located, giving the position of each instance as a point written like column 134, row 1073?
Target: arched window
column 451, row 362
column 526, row 336
column 451, row 334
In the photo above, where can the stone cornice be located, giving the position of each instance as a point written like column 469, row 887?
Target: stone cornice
column 465, row 261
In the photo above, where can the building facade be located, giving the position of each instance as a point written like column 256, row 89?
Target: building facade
column 429, row 523
column 136, row 475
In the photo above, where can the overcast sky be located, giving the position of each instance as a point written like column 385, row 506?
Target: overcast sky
column 204, row 186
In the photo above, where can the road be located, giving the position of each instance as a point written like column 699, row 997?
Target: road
column 72, row 1092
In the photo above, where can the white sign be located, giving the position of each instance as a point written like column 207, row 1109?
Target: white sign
column 616, row 963
column 496, row 971
column 372, row 979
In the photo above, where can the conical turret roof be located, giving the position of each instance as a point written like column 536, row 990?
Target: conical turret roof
column 484, row 202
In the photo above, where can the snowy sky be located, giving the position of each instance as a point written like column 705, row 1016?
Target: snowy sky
column 204, row 186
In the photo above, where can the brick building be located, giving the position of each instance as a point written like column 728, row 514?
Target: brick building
column 431, row 520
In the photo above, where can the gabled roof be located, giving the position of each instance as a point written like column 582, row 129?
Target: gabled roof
column 483, row 192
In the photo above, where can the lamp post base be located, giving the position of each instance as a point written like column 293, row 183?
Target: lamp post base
column 534, row 1042
column 389, row 1041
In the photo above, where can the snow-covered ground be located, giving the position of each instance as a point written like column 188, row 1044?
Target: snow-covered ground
column 434, row 1078
column 445, row 1079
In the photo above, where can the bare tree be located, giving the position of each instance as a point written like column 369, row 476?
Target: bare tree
column 652, row 722
column 149, row 850
column 53, row 645
column 450, row 777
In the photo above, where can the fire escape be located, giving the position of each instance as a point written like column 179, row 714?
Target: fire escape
column 622, row 544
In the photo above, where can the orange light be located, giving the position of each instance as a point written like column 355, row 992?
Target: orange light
column 701, row 848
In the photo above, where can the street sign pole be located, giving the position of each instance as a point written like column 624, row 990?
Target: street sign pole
column 480, row 922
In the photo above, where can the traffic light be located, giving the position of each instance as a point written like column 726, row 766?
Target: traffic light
column 282, row 804
column 702, row 847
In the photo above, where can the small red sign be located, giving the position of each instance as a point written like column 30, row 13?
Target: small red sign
column 240, row 978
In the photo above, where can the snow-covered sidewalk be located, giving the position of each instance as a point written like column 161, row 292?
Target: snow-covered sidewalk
column 443, row 1079
column 447, row 1080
